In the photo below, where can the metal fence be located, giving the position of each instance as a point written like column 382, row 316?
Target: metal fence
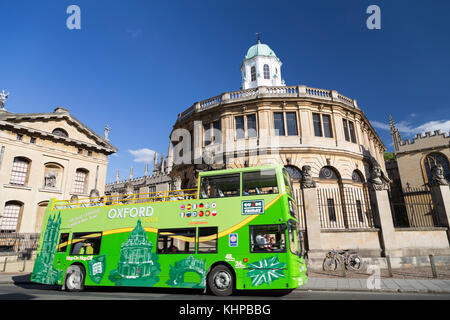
column 344, row 208
column 300, row 209
column 17, row 242
column 413, row 208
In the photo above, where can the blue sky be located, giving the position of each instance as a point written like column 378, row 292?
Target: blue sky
column 136, row 64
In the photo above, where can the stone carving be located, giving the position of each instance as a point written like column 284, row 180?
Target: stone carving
column 50, row 180
column 106, row 132
column 378, row 180
column 437, row 176
column 3, row 97
column 307, row 180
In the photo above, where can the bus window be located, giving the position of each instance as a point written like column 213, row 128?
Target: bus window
column 287, row 182
column 294, row 244
column 86, row 243
column 267, row 238
column 259, row 182
column 220, row 186
column 176, row 241
column 207, row 240
column 63, row 241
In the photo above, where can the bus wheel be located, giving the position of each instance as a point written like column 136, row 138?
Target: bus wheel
column 74, row 279
column 221, row 281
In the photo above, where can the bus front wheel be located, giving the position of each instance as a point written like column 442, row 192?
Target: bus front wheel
column 221, row 281
column 74, row 279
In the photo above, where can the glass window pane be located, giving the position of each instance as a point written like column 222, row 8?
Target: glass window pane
column 240, row 133
column 352, row 131
column 291, row 123
column 220, row 186
column 253, row 73
column 278, row 124
column 87, row 243
column 259, row 182
column 207, row 129
column 207, row 240
column 317, row 125
column 327, row 126
column 266, row 72
column 10, row 217
column 251, row 125
column 344, row 123
column 172, row 241
column 267, row 238
column 217, row 132
column 63, row 242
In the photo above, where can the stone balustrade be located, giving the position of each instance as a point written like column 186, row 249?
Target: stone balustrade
column 268, row 92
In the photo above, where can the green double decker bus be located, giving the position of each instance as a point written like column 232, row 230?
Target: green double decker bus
column 237, row 230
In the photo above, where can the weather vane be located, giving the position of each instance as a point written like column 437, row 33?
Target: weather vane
column 259, row 36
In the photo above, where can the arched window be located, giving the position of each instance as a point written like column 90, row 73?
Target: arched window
column 60, row 132
column 81, row 180
column 11, row 216
column 434, row 159
column 53, row 174
column 266, row 71
column 357, row 176
column 41, row 207
column 329, row 173
column 253, row 73
column 294, row 172
column 20, row 171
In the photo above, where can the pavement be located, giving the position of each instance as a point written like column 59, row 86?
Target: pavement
column 391, row 285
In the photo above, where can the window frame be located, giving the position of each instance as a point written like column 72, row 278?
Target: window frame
column 321, row 123
column 216, row 239
column 76, row 236
column 266, row 71
column 221, row 175
column 245, row 126
column 259, row 194
column 22, row 174
column 281, row 229
column 253, row 73
column 165, row 248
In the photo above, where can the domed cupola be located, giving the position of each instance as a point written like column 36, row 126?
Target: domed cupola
column 261, row 67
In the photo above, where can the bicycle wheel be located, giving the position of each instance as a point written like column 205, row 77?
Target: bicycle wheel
column 329, row 264
column 354, row 262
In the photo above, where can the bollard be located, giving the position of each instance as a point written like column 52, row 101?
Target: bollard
column 343, row 274
column 4, row 264
column 433, row 266
column 24, row 262
column 388, row 262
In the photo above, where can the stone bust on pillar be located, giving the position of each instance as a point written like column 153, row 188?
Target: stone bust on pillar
column 378, row 180
column 437, row 176
column 307, row 180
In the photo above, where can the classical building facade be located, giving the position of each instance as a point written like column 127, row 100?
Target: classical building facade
column 43, row 156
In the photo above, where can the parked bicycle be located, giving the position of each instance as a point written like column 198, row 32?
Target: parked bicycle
column 350, row 259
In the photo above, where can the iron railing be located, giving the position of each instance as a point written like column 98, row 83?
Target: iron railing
column 17, row 242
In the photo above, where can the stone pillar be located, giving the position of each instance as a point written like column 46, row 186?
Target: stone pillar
column 312, row 217
column 382, row 215
column 440, row 194
column 441, row 201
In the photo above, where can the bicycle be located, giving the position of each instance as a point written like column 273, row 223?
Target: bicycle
column 351, row 260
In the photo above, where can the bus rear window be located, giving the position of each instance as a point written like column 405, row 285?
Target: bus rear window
column 259, row 182
column 220, row 186
column 176, row 241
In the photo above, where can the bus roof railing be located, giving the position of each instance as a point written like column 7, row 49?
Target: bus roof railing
column 123, row 199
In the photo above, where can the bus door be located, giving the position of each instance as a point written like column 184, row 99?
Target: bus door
column 62, row 248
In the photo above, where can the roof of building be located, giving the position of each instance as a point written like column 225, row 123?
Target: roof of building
column 259, row 49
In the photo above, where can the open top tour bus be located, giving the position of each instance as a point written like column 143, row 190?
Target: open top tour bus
column 238, row 230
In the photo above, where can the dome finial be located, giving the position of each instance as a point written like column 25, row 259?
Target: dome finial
column 259, row 36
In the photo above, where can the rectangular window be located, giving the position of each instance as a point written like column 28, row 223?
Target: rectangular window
column 19, row 137
column 331, row 211
column 352, row 131
column 317, row 125
column 80, row 181
column 259, row 182
column 327, row 126
column 240, row 129
column 251, row 126
column 63, row 242
column 33, row 140
column 217, row 132
column 207, row 240
column 19, row 172
column 173, row 241
column 10, row 218
column 268, row 238
column 220, row 186
column 278, row 124
column 208, row 136
column 291, row 123
column 345, row 124
column 86, row 243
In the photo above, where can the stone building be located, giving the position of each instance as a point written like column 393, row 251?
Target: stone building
column 324, row 140
column 158, row 181
column 43, row 156
column 415, row 158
